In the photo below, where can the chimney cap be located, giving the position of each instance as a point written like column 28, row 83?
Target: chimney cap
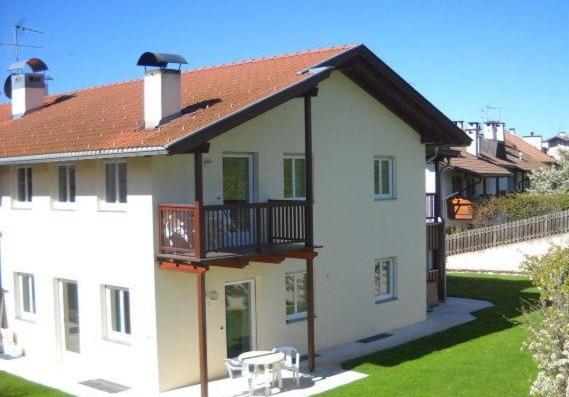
column 35, row 64
column 160, row 60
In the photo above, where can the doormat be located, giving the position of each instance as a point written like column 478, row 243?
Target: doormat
column 373, row 338
column 104, row 385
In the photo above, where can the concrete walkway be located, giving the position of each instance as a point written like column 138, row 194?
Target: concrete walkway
column 328, row 375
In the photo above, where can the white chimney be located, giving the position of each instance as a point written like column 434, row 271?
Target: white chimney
column 473, row 131
column 534, row 140
column 162, row 87
column 494, row 130
column 162, row 96
column 28, row 92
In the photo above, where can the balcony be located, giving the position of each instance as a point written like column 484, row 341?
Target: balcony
column 202, row 233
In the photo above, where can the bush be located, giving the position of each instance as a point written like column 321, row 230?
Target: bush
column 551, row 179
column 548, row 333
column 516, row 206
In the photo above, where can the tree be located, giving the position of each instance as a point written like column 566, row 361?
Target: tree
column 555, row 178
column 548, row 327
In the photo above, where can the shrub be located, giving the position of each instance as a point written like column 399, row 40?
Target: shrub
column 548, row 333
column 551, row 179
column 515, row 206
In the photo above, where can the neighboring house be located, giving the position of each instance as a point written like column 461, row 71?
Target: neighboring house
column 152, row 228
column 495, row 162
column 556, row 144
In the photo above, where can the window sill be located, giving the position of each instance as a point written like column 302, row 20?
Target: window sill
column 30, row 320
column 385, row 300
column 296, row 318
column 64, row 206
column 22, row 205
column 106, row 207
column 376, row 198
column 118, row 340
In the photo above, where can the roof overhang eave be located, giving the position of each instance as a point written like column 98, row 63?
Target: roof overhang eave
column 84, row 155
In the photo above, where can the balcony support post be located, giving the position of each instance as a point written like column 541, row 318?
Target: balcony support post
column 309, row 224
column 310, row 314
column 202, row 333
column 198, row 189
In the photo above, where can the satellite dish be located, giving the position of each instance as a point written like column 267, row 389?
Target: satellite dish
column 8, row 87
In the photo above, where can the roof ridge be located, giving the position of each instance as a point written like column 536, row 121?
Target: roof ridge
column 270, row 57
column 203, row 68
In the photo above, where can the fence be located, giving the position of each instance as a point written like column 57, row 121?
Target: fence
column 508, row 233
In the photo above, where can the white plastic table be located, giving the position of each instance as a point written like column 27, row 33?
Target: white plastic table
column 264, row 358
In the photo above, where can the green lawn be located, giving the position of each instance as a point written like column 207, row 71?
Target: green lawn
column 13, row 386
column 481, row 358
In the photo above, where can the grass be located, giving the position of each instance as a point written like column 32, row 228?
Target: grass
column 13, row 386
column 480, row 358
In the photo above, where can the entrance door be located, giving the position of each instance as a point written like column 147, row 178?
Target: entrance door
column 69, row 316
column 240, row 317
column 238, row 189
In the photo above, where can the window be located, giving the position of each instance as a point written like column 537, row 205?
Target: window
column 25, row 184
column 294, row 177
column 66, row 183
column 383, row 177
column 457, row 183
column 470, row 186
column 115, row 182
column 295, row 295
column 117, row 312
column 25, row 296
column 384, row 276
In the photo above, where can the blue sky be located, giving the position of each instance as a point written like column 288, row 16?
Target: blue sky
column 462, row 55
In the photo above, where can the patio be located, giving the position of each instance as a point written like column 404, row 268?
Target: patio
column 328, row 374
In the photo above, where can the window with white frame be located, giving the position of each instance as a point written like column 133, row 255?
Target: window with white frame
column 383, row 177
column 294, row 167
column 66, row 183
column 25, row 184
column 115, row 182
column 25, row 296
column 384, row 279
column 296, row 305
column 117, row 310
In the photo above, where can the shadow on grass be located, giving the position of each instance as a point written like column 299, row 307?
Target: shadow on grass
column 507, row 293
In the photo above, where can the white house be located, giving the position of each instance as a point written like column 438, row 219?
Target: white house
column 556, row 144
column 495, row 162
column 152, row 228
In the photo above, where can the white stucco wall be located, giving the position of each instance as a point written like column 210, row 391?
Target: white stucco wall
column 349, row 128
column 506, row 258
column 93, row 248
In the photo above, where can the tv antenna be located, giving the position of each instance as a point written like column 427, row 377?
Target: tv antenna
column 486, row 110
column 19, row 29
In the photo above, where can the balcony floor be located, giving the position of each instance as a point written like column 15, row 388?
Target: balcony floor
column 240, row 257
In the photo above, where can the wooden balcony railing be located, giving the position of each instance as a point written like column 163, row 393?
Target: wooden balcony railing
column 230, row 227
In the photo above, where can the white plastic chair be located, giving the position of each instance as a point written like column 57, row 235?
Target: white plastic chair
column 258, row 376
column 291, row 361
column 234, row 368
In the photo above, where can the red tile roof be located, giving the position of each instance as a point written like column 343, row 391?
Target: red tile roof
column 110, row 116
column 486, row 164
column 517, row 143
column 477, row 165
